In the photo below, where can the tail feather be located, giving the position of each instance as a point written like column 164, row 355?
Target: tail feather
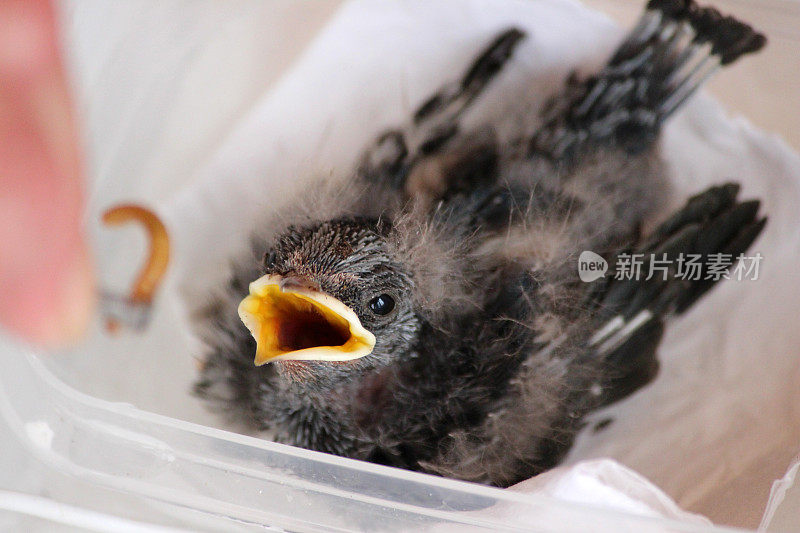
column 635, row 310
column 435, row 123
column 482, row 70
column 674, row 48
column 717, row 40
column 738, row 244
column 698, row 209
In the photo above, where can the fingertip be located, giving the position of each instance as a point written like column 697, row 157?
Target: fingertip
column 28, row 42
column 53, row 310
column 73, row 307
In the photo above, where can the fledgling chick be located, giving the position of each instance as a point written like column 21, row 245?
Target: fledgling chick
column 431, row 316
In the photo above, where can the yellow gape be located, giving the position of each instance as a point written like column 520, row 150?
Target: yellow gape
column 298, row 324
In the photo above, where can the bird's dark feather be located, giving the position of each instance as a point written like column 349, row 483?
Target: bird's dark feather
column 496, row 350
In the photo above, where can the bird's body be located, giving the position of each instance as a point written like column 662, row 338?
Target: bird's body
column 459, row 255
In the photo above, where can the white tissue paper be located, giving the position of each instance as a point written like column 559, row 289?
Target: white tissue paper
column 216, row 139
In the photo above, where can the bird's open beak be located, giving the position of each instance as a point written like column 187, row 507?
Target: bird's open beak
column 294, row 323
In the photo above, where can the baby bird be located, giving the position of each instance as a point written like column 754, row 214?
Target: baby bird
column 431, row 316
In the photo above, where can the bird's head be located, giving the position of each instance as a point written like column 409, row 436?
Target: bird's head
column 334, row 302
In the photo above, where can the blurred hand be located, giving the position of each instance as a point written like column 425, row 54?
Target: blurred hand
column 46, row 287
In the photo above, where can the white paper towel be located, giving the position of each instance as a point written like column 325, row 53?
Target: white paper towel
column 726, row 400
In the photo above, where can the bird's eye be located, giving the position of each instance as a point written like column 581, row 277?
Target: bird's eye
column 381, row 305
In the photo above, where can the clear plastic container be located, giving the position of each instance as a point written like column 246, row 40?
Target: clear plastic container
column 252, row 481
column 158, row 469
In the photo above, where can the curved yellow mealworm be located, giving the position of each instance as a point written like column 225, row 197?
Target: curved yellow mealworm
column 155, row 266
